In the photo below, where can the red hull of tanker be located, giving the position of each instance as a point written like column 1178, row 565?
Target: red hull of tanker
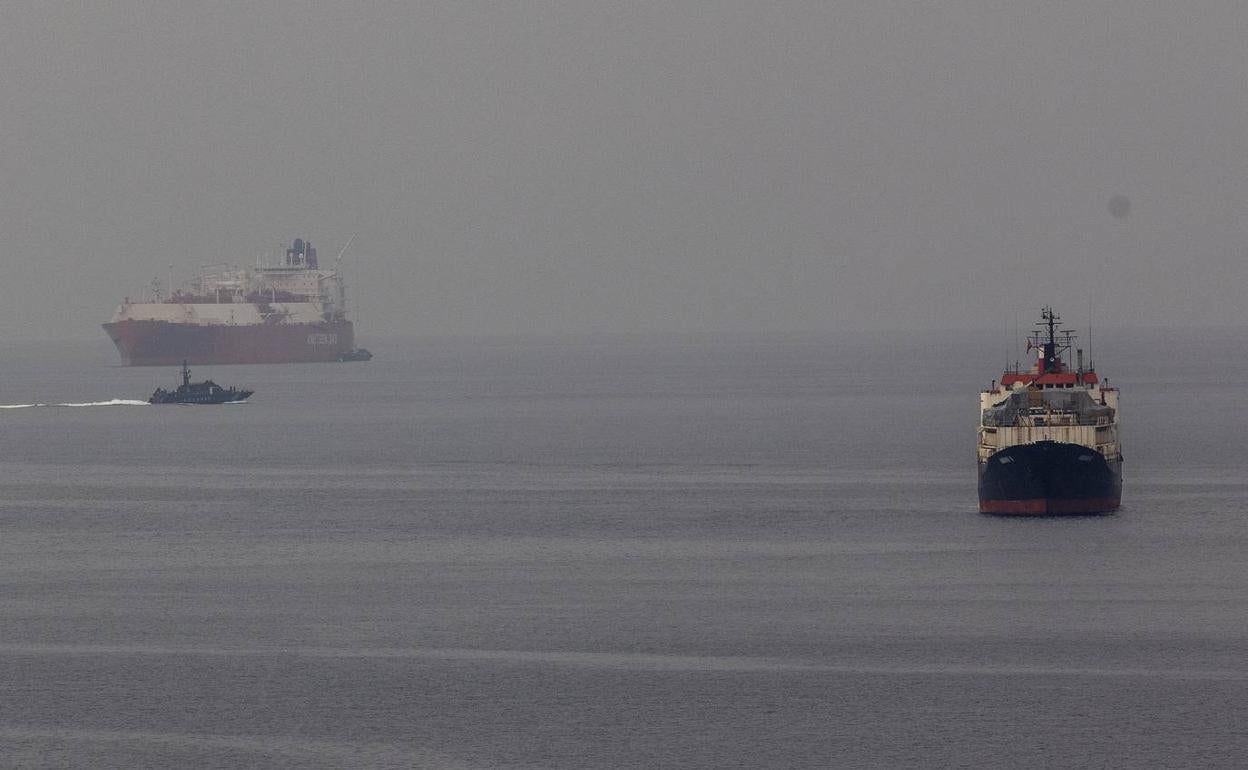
column 160, row 343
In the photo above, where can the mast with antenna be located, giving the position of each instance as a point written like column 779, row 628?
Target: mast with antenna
column 1091, row 363
column 1016, row 340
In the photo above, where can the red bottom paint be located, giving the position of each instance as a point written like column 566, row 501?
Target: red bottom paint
column 1050, row 507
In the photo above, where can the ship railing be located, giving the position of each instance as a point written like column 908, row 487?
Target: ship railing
column 1047, row 421
column 1040, row 418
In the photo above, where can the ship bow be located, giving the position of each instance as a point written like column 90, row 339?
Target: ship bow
column 1049, row 478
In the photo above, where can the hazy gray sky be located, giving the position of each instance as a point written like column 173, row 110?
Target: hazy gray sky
column 635, row 166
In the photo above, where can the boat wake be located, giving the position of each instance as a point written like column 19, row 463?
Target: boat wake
column 110, row 402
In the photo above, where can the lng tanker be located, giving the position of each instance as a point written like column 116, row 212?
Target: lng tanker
column 1048, row 437
column 289, row 312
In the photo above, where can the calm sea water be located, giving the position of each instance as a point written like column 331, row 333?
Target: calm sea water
column 620, row 552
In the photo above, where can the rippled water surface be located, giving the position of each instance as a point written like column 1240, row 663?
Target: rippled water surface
column 617, row 552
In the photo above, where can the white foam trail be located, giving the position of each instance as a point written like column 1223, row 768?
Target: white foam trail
column 304, row 750
column 110, row 402
column 639, row 661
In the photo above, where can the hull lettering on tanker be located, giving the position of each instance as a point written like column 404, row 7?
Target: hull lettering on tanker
column 322, row 339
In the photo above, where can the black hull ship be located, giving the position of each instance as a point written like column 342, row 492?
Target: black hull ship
column 1048, row 437
column 206, row 392
column 1049, row 478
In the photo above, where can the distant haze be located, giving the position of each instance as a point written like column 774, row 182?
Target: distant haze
column 557, row 167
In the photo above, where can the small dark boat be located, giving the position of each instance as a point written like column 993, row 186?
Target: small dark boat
column 206, row 392
column 358, row 354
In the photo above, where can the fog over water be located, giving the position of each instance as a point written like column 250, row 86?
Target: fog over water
column 666, row 458
column 561, row 167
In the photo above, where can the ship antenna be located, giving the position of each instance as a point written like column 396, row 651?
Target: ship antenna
column 1016, row 339
column 1007, row 346
column 1091, row 365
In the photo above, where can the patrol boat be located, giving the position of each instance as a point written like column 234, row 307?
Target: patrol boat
column 206, row 392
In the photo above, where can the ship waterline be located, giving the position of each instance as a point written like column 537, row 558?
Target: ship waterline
column 162, row 343
column 1049, row 478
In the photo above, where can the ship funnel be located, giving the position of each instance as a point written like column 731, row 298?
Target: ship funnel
column 301, row 253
